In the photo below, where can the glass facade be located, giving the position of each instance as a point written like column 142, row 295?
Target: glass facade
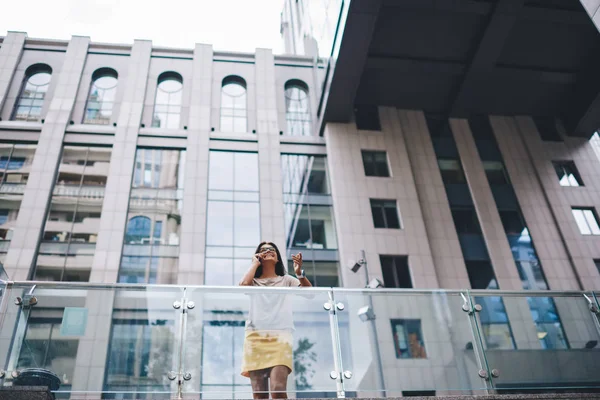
column 308, row 212
column 297, row 109
column 494, row 320
column 234, row 105
column 28, row 106
column 68, row 243
column 100, row 101
column 151, row 242
column 233, row 216
column 543, row 310
column 15, row 165
column 167, row 104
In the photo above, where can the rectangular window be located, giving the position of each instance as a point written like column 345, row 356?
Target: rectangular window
column 375, row 163
column 385, row 214
column 408, row 339
column 587, row 220
column 396, row 273
column 567, row 173
column 151, row 242
column 496, row 175
column 597, row 262
column 465, row 220
column 451, row 171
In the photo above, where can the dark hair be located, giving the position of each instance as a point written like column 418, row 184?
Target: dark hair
column 279, row 270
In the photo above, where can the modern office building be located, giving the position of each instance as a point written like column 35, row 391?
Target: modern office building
column 448, row 141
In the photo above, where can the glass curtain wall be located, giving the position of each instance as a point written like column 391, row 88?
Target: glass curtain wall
column 494, row 319
column 151, row 242
column 543, row 310
column 67, row 248
column 233, row 216
column 308, row 211
column 99, row 107
column 28, row 106
column 15, row 164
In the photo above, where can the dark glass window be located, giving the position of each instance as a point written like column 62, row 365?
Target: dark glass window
column 385, row 214
column 496, row 175
column 367, row 117
column 396, row 273
column 408, row 339
column 597, row 262
column 375, row 163
column 481, row 274
column 465, row 220
column 546, row 126
column 512, row 222
column 451, row 171
column 567, row 173
column 418, row 393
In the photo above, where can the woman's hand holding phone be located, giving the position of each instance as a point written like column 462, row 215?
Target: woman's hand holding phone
column 257, row 259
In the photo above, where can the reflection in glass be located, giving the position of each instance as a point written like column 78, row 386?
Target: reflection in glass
column 141, row 352
column 309, row 226
column 101, row 98
column 304, row 174
column 233, row 105
column 233, row 216
column 167, row 103
column 15, row 164
column 73, row 220
column 152, row 235
column 28, row 106
column 297, row 109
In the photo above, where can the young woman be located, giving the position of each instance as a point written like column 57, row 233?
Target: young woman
column 268, row 342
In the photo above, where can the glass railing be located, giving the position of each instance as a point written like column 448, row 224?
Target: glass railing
column 158, row 341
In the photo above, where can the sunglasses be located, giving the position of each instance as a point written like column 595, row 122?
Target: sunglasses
column 265, row 249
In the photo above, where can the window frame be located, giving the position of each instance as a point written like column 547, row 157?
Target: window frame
column 564, row 166
column 97, row 75
column 30, row 73
column 395, row 266
column 297, row 118
column 166, row 77
column 587, row 213
column 395, row 322
column 381, row 205
column 234, row 110
column 374, row 164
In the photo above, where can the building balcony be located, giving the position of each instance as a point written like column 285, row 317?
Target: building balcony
column 159, row 341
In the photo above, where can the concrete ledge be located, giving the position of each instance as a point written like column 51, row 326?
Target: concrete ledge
column 25, row 393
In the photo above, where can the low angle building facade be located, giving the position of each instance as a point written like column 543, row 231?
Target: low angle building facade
column 459, row 162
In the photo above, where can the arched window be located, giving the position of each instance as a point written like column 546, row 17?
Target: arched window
column 167, row 104
column 297, row 108
column 233, row 105
column 138, row 230
column 28, row 106
column 101, row 98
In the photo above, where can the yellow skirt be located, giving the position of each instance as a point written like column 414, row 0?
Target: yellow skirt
column 266, row 349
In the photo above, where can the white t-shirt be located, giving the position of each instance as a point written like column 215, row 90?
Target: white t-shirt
column 271, row 311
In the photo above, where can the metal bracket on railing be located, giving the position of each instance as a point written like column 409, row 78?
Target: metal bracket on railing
column 28, row 300
column 466, row 307
column 592, row 307
column 495, row 373
column 2, row 373
column 483, row 374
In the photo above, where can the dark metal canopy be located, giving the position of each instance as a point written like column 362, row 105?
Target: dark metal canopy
column 464, row 57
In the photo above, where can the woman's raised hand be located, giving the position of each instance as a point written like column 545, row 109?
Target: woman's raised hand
column 297, row 263
column 257, row 259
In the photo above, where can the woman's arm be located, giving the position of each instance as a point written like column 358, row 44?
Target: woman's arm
column 298, row 270
column 248, row 278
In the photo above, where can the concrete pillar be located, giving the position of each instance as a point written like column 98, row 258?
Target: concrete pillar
column 38, row 192
column 269, row 154
column 195, row 188
column 10, row 54
column 445, row 248
column 107, row 257
column 489, row 219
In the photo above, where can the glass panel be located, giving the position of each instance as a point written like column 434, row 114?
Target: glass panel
column 117, row 343
column 404, row 342
column 546, row 345
column 218, row 347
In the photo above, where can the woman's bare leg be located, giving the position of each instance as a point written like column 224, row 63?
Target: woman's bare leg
column 278, row 384
column 260, row 384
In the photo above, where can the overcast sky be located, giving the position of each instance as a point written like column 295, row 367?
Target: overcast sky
column 236, row 25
